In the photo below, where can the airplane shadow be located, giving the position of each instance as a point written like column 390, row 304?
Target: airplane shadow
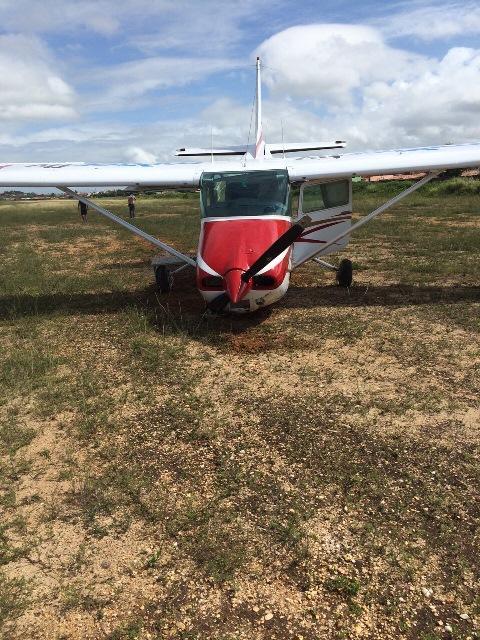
column 390, row 295
column 183, row 308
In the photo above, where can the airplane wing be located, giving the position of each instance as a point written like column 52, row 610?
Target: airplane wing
column 373, row 163
column 184, row 175
column 79, row 174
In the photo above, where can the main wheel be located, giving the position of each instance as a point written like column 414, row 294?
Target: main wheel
column 345, row 273
column 162, row 278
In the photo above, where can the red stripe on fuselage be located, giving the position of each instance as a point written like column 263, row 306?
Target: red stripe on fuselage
column 320, row 227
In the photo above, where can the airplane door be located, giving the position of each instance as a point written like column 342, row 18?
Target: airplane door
column 329, row 204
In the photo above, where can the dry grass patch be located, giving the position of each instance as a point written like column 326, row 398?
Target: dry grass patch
column 310, row 471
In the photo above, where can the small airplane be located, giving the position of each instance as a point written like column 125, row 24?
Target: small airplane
column 263, row 214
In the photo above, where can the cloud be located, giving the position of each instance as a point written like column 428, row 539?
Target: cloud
column 325, row 81
column 217, row 27
column 328, row 62
column 370, row 93
column 137, row 154
column 99, row 16
column 433, row 21
column 185, row 25
column 105, row 141
column 30, row 85
column 120, row 86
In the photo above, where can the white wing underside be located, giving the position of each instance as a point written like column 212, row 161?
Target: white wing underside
column 184, row 175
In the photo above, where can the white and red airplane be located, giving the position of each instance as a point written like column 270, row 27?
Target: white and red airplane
column 263, row 214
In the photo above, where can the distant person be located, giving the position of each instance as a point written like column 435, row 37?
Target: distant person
column 131, row 205
column 82, row 207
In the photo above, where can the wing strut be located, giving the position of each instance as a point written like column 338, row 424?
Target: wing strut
column 132, row 228
column 377, row 212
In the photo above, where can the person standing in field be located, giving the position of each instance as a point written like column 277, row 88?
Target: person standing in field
column 131, row 205
column 82, row 207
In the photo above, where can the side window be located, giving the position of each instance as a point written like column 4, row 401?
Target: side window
column 294, row 200
column 313, row 198
column 325, row 196
column 336, row 194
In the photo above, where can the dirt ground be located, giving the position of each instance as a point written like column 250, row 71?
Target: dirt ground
column 310, row 472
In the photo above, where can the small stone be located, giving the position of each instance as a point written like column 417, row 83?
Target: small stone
column 427, row 592
column 256, row 609
column 448, row 628
column 268, row 616
column 464, row 616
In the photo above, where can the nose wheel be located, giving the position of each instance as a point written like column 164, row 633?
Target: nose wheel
column 345, row 273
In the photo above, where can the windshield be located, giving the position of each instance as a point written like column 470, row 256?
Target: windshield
column 246, row 193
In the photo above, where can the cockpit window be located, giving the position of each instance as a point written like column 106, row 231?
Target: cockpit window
column 246, row 193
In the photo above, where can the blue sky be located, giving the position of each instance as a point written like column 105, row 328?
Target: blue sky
column 131, row 81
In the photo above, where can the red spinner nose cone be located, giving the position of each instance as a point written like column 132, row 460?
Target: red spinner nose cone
column 235, row 286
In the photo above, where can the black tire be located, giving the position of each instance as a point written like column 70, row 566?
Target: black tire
column 345, row 273
column 162, row 278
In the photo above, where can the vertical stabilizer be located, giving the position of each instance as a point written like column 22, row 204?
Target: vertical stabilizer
column 259, row 139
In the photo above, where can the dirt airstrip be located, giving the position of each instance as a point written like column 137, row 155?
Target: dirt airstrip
column 309, row 472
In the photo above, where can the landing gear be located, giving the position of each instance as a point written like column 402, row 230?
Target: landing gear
column 165, row 268
column 163, row 279
column 345, row 273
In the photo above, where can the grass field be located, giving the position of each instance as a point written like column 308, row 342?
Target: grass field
column 310, row 472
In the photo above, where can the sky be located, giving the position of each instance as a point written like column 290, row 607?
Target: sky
column 132, row 80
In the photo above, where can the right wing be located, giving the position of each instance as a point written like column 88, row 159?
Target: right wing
column 374, row 163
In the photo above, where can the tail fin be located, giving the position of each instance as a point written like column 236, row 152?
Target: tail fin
column 259, row 150
column 259, row 138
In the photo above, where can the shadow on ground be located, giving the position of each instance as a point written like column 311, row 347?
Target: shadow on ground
column 187, row 300
column 393, row 295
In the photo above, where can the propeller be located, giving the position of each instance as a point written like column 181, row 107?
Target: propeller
column 218, row 304
column 278, row 247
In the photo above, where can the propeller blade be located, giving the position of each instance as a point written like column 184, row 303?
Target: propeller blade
column 275, row 249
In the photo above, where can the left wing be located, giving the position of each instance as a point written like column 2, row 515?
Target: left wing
column 79, row 174
column 373, row 163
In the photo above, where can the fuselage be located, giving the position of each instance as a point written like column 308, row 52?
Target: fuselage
column 243, row 214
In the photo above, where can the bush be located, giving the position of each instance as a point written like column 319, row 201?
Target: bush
column 455, row 186
column 390, row 188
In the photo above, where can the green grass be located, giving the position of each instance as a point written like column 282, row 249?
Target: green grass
column 324, row 451
column 343, row 586
column 13, row 598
